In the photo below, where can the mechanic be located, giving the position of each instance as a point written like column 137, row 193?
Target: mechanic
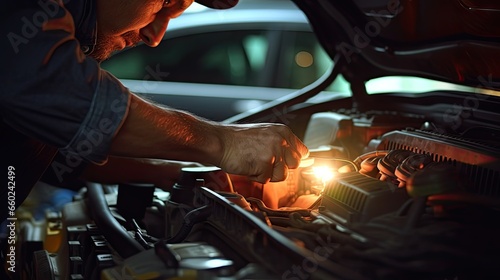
column 64, row 117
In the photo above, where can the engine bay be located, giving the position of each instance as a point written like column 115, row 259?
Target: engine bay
column 375, row 200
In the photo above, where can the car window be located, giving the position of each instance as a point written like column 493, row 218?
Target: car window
column 232, row 58
column 302, row 60
column 267, row 58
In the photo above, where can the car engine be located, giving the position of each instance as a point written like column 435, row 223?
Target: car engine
column 374, row 201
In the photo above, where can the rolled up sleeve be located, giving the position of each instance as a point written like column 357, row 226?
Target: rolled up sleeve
column 105, row 116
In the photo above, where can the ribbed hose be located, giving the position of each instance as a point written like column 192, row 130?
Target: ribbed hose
column 115, row 234
column 377, row 153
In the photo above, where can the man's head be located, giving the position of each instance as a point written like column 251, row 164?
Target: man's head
column 124, row 23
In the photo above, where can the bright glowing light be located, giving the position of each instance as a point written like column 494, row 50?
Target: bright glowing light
column 323, row 173
column 318, row 176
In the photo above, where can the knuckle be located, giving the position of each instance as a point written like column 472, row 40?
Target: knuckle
column 294, row 164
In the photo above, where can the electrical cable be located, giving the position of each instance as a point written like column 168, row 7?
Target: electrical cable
column 356, row 168
column 193, row 217
column 142, row 237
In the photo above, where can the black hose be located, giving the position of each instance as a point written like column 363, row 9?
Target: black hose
column 193, row 217
column 118, row 238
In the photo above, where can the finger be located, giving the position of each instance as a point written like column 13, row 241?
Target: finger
column 301, row 148
column 304, row 151
column 264, row 175
column 260, row 179
column 295, row 144
column 292, row 158
column 294, row 152
column 280, row 171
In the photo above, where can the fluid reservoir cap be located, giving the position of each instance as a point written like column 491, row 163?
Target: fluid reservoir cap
column 206, row 264
column 212, row 177
column 200, row 169
column 189, row 175
column 210, row 174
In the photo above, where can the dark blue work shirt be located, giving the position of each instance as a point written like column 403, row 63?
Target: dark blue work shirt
column 58, row 109
column 50, row 90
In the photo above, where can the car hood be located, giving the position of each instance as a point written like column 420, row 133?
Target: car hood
column 454, row 41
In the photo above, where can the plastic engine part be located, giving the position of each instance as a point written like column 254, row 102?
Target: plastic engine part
column 354, row 197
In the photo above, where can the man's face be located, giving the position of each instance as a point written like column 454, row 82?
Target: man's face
column 124, row 23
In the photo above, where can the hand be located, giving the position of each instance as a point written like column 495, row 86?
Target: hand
column 263, row 152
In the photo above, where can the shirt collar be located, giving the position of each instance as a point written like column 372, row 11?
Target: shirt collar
column 85, row 18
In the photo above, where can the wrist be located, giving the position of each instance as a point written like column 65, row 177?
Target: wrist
column 215, row 143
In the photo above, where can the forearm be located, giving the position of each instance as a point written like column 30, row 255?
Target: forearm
column 261, row 151
column 150, row 131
